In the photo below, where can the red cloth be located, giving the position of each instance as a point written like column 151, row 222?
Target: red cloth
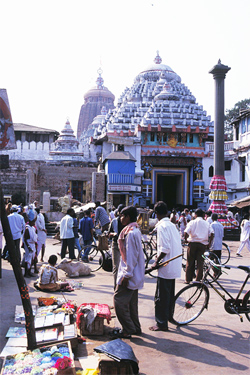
column 218, row 183
column 218, row 207
column 103, row 311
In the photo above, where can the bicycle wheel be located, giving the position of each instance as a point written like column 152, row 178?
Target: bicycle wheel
column 147, row 249
column 246, row 305
column 96, row 257
column 149, row 263
column 189, row 303
column 225, row 253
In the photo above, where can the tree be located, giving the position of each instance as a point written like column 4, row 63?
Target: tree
column 231, row 114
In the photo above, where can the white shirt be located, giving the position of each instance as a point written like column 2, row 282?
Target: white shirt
column 66, row 227
column 40, row 225
column 218, row 235
column 17, row 225
column 169, row 242
column 199, row 230
column 209, row 220
column 245, row 230
column 134, row 268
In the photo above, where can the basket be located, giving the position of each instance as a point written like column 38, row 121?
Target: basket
column 96, row 328
column 46, row 301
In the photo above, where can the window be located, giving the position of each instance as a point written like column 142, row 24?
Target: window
column 18, row 136
column 228, row 165
column 191, row 138
column 165, row 137
column 120, row 147
column 179, row 137
column 242, row 168
column 211, row 171
column 152, row 137
column 243, row 125
column 237, row 133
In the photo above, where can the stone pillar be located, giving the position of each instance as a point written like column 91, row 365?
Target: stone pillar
column 46, row 201
column 219, row 74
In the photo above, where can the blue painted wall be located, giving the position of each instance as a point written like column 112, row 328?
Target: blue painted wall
column 120, row 166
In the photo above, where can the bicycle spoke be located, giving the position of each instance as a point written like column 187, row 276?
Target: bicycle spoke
column 189, row 304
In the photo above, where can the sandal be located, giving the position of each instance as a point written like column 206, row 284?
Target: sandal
column 119, row 334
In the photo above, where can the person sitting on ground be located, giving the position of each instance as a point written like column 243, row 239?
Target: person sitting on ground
column 48, row 278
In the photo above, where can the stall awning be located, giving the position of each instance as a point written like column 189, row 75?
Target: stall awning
column 240, row 203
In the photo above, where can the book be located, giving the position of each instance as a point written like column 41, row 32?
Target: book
column 49, row 320
column 40, row 335
column 69, row 331
column 39, row 321
column 50, row 334
column 59, row 318
column 16, row 332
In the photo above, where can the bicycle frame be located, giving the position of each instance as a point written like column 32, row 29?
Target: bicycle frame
column 236, row 300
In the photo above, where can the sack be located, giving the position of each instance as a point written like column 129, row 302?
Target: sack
column 107, row 264
column 103, row 243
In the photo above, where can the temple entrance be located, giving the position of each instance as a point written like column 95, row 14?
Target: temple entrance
column 169, row 190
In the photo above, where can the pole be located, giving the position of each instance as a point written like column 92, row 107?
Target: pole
column 23, row 288
column 219, row 72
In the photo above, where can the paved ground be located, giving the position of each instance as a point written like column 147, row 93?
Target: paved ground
column 216, row 343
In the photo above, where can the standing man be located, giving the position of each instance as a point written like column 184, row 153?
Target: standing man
column 41, row 233
column 168, row 246
column 244, row 235
column 114, row 231
column 17, row 226
column 218, row 236
column 200, row 235
column 101, row 217
column 30, row 242
column 67, row 234
column 86, row 229
column 130, row 276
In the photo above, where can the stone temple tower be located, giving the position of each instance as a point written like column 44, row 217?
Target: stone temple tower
column 94, row 99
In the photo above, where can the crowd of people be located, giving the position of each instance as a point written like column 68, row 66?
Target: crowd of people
column 200, row 230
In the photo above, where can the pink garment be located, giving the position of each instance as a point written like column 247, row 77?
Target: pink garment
column 121, row 239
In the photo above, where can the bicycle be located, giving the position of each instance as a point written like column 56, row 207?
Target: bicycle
column 149, row 247
column 96, row 256
column 191, row 301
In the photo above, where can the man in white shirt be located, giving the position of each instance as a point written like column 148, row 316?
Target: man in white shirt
column 41, row 233
column 168, row 246
column 17, row 226
column 199, row 234
column 131, row 273
column 244, row 235
column 218, row 235
column 67, row 234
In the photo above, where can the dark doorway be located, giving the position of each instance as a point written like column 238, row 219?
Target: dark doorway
column 167, row 190
column 119, row 199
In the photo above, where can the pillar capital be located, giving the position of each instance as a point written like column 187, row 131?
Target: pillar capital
column 219, row 70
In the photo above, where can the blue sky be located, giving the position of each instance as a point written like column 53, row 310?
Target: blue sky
column 51, row 50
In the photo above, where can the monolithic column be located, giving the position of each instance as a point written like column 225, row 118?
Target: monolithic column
column 219, row 73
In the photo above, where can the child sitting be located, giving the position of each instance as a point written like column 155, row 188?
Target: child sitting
column 48, row 278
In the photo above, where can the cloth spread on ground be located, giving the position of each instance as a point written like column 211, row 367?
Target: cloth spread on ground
column 102, row 310
column 119, row 351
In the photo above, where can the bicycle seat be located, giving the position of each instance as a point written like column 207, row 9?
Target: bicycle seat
column 245, row 268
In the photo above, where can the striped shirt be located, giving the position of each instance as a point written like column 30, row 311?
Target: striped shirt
column 101, row 216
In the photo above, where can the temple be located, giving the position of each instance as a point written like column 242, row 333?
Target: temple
column 160, row 124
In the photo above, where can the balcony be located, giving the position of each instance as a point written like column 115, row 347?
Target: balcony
column 228, row 146
column 120, row 178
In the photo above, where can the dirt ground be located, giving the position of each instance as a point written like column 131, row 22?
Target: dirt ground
column 215, row 343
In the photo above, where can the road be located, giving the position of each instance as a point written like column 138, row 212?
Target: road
column 216, row 343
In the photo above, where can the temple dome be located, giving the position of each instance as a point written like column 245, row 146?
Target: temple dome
column 99, row 90
column 158, row 68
